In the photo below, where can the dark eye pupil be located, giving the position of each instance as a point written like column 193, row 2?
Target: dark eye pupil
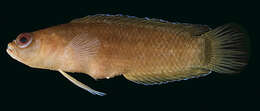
column 23, row 40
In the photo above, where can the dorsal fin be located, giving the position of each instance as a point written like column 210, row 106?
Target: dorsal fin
column 193, row 29
column 120, row 19
column 161, row 78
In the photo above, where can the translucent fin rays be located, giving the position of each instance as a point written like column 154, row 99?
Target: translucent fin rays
column 80, row 84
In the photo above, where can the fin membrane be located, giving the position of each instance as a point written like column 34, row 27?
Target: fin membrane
column 227, row 49
column 84, row 47
column 162, row 78
column 193, row 29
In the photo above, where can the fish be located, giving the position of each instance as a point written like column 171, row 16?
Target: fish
column 144, row 51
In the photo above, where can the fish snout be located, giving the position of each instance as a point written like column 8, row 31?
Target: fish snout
column 10, row 48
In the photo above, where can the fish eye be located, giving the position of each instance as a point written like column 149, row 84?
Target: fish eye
column 23, row 40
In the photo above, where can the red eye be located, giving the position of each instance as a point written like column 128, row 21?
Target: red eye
column 23, row 40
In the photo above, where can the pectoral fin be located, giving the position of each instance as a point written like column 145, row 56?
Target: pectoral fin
column 80, row 84
column 84, row 48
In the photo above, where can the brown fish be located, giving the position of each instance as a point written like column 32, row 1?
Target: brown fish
column 146, row 51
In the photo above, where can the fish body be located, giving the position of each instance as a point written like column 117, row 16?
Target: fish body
column 144, row 51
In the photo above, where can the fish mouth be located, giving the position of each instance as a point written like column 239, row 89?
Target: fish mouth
column 11, row 51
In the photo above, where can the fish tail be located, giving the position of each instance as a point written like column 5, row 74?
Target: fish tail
column 227, row 49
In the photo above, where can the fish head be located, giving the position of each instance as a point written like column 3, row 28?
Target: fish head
column 24, row 48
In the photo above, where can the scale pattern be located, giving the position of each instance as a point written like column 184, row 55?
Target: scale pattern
column 153, row 52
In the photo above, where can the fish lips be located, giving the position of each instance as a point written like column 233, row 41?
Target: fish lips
column 11, row 50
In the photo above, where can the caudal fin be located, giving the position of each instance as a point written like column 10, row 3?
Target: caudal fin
column 227, row 49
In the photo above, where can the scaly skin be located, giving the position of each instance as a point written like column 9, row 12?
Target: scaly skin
column 124, row 49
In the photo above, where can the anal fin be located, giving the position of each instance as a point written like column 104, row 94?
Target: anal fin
column 165, row 77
